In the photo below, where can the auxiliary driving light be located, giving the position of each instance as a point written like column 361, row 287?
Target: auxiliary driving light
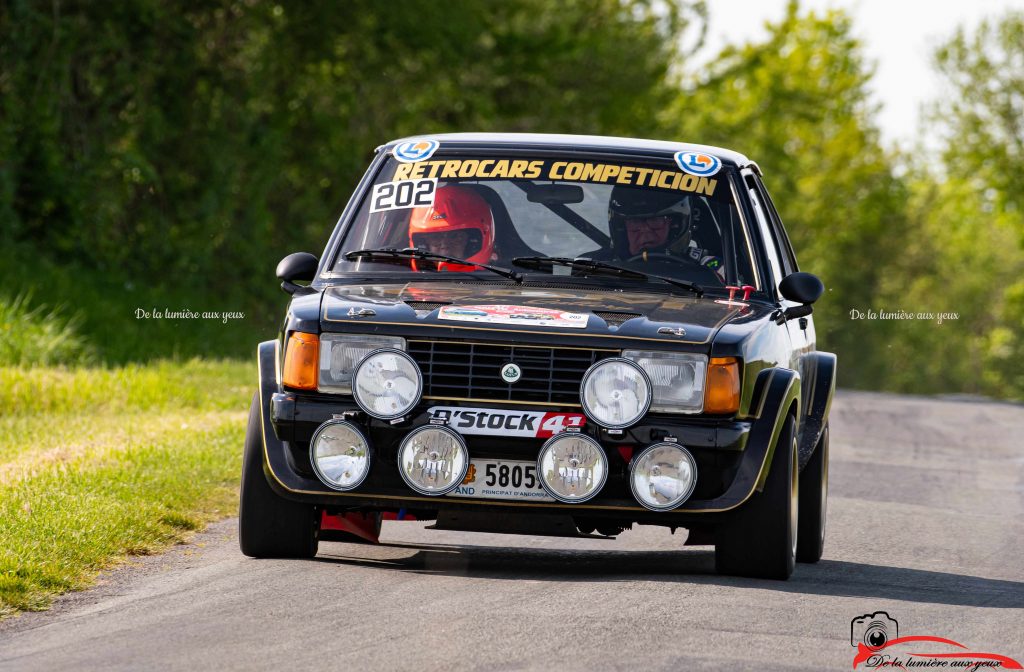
column 387, row 383
column 433, row 460
column 572, row 467
column 615, row 393
column 663, row 476
column 340, row 455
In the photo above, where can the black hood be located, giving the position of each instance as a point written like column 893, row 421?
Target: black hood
column 446, row 309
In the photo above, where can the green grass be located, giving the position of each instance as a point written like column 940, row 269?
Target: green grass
column 97, row 464
column 39, row 335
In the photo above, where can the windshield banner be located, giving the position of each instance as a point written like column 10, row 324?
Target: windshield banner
column 568, row 171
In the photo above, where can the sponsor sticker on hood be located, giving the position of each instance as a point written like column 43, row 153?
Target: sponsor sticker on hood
column 515, row 315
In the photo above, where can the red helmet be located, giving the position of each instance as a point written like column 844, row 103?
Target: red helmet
column 459, row 224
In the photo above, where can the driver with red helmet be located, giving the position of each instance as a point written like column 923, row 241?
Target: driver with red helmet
column 458, row 224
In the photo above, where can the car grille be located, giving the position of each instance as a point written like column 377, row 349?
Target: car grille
column 471, row 371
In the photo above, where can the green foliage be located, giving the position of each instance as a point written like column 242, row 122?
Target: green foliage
column 156, row 158
column 171, row 154
column 968, row 255
column 797, row 103
column 39, row 336
column 983, row 116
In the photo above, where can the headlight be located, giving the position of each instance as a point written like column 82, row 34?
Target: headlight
column 677, row 379
column 387, row 384
column 340, row 455
column 433, row 460
column 663, row 476
column 340, row 353
column 615, row 393
column 572, row 467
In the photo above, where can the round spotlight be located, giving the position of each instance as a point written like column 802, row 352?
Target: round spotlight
column 572, row 467
column 615, row 393
column 663, row 476
column 433, row 460
column 387, row 384
column 340, row 455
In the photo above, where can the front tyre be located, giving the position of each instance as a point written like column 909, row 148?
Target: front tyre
column 813, row 503
column 760, row 540
column 270, row 526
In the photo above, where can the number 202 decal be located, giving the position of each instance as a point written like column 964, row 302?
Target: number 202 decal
column 403, row 194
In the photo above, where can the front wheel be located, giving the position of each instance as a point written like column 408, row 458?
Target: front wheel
column 270, row 526
column 760, row 540
column 813, row 503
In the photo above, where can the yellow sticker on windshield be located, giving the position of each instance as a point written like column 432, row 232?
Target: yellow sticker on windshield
column 568, row 171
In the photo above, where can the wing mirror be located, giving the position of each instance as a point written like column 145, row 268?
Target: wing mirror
column 298, row 266
column 802, row 288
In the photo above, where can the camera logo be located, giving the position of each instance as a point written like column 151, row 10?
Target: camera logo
column 873, row 630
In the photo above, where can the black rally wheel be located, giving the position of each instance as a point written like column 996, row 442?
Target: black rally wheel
column 813, row 503
column 761, row 538
column 268, row 525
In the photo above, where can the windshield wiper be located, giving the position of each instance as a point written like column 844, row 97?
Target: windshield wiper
column 415, row 253
column 593, row 265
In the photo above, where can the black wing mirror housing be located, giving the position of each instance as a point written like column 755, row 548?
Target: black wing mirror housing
column 298, row 266
column 802, row 288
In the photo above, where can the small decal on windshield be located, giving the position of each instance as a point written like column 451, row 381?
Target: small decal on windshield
column 415, row 150
column 695, row 163
column 403, row 194
column 515, row 315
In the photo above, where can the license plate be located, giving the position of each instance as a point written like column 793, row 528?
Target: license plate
column 502, row 479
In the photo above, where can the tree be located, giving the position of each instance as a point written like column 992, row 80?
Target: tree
column 972, row 212
column 798, row 104
column 153, row 153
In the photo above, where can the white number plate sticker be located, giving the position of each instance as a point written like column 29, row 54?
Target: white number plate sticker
column 502, row 479
column 403, row 194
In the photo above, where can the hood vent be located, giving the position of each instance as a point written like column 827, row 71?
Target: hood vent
column 615, row 319
column 423, row 308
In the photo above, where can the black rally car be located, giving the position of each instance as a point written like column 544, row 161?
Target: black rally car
column 547, row 334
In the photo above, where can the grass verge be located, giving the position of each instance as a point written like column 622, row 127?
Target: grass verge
column 99, row 464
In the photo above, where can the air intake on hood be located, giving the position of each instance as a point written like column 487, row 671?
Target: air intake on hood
column 424, row 307
column 615, row 319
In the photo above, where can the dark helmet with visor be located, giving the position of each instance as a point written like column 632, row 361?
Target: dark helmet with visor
column 638, row 203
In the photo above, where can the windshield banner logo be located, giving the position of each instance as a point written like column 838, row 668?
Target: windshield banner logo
column 701, row 165
column 415, row 150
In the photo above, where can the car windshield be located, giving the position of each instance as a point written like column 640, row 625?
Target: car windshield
column 645, row 215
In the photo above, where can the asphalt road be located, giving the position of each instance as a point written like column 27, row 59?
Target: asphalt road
column 925, row 522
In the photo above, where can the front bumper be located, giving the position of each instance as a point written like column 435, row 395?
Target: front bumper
column 731, row 458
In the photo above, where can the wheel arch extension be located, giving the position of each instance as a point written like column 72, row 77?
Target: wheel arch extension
column 778, row 393
column 821, row 373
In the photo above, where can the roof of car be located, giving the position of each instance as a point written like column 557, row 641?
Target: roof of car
column 555, row 141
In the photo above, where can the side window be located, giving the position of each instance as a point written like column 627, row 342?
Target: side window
column 764, row 228
column 782, row 243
